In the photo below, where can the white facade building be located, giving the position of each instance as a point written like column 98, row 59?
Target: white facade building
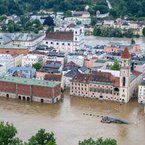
column 141, row 93
column 78, row 34
column 66, row 38
column 7, row 60
column 30, row 59
column 25, row 39
column 77, row 59
column 75, row 20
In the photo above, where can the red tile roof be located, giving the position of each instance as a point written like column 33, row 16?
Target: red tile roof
column 136, row 73
column 60, row 35
column 53, row 77
column 126, row 53
column 71, row 63
column 97, row 77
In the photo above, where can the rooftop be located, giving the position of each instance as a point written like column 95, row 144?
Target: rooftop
column 27, row 81
column 12, row 47
column 126, row 53
column 67, row 36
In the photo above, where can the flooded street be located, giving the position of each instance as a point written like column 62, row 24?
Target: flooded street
column 93, row 41
column 67, row 121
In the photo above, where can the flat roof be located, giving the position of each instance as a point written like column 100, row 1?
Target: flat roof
column 13, row 47
column 27, row 81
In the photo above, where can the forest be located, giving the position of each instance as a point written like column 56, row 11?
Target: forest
column 132, row 8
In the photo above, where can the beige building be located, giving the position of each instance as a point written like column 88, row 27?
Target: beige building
column 106, row 86
column 141, row 93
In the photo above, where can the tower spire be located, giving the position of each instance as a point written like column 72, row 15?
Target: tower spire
column 126, row 54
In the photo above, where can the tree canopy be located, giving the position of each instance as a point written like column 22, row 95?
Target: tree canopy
column 99, row 141
column 115, row 66
column 37, row 66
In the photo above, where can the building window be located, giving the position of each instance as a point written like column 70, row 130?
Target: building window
column 51, row 42
column 57, row 43
column 46, row 42
column 62, row 43
column 68, row 43
column 124, row 81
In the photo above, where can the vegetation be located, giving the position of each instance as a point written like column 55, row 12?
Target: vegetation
column 23, row 25
column 115, row 66
column 8, row 137
column 20, row 7
column 135, row 8
column 99, row 141
column 112, row 32
column 143, row 31
column 37, row 66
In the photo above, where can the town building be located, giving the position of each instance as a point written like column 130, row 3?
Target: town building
column 107, row 86
column 25, row 72
column 52, row 67
column 78, row 34
column 66, row 38
column 13, row 50
column 31, row 59
column 7, row 60
column 84, row 14
column 76, row 20
column 30, row 89
column 77, row 59
column 141, row 93
column 55, row 78
column 61, row 41
column 29, row 40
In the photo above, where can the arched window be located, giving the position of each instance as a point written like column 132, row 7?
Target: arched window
column 124, row 81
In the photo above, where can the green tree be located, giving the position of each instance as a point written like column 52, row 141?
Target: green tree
column 11, row 28
column 42, row 138
column 97, row 31
column 99, row 141
column 8, row 134
column 93, row 21
column 115, row 66
column 37, row 66
column 132, row 41
column 143, row 31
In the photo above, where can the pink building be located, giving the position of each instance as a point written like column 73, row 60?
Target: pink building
column 40, row 75
column 110, row 49
column 135, row 49
column 89, row 63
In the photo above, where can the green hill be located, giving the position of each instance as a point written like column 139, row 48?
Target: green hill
column 132, row 8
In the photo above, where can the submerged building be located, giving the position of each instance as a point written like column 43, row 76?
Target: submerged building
column 106, row 86
column 30, row 89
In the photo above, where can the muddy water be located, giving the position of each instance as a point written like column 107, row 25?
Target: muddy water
column 93, row 41
column 67, row 121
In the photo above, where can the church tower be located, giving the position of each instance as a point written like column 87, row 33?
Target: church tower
column 125, row 76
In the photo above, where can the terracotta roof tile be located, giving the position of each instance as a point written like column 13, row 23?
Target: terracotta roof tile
column 53, row 77
column 60, row 36
column 97, row 77
column 126, row 53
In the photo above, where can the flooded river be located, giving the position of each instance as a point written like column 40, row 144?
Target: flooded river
column 67, row 120
column 93, row 41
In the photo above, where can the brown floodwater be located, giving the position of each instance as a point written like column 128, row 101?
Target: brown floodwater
column 67, row 120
